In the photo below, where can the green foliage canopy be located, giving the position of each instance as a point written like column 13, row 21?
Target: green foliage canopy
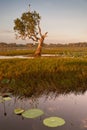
column 28, row 26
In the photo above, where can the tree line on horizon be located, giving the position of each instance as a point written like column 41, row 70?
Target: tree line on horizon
column 79, row 44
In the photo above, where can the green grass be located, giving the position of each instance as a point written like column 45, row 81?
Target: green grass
column 61, row 51
column 35, row 76
column 16, row 52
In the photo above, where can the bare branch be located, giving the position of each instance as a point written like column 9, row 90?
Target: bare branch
column 39, row 29
column 35, row 37
column 45, row 35
column 31, row 37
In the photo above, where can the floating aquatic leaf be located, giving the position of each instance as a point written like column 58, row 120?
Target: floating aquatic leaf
column 7, row 98
column 5, row 81
column 53, row 121
column 18, row 111
column 32, row 113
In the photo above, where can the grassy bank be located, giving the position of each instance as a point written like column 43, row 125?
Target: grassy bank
column 61, row 51
column 35, row 76
column 16, row 52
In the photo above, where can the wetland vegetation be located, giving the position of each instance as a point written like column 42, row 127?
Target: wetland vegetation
column 57, row 85
column 43, row 86
column 67, row 51
column 39, row 75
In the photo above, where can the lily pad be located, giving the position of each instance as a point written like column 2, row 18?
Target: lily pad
column 53, row 121
column 32, row 113
column 7, row 98
column 18, row 111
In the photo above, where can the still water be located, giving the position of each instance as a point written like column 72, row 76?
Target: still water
column 71, row 107
column 27, row 57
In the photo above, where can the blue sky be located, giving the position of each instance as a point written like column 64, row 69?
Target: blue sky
column 65, row 20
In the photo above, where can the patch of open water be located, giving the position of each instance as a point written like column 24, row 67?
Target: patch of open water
column 28, row 57
column 12, row 57
column 72, row 108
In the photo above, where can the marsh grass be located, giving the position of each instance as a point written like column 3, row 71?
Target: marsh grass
column 17, row 52
column 29, row 77
column 61, row 51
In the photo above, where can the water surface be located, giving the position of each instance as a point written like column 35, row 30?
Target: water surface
column 71, row 107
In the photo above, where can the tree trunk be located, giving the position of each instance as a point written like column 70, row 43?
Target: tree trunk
column 39, row 47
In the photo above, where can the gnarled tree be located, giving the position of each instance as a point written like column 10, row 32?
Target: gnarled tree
column 28, row 26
